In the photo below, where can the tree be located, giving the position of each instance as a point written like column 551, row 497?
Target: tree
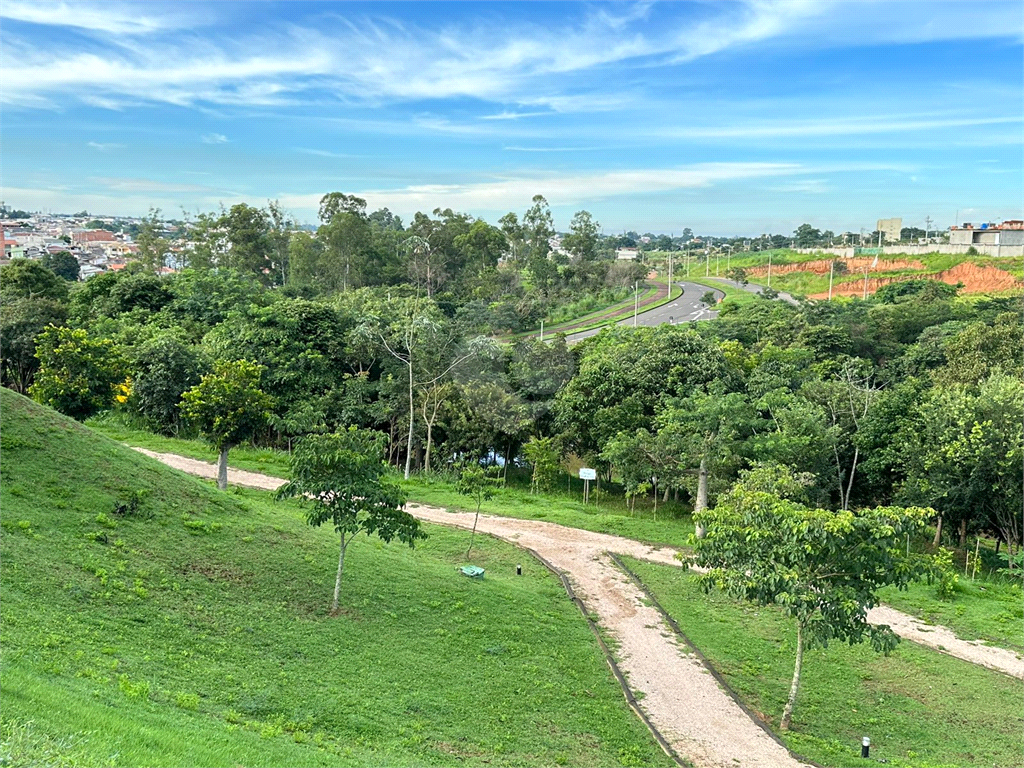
column 806, row 236
column 28, row 279
column 279, row 237
column 152, row 246
column 581, row 241
column 703, row 433
column 544, row 455
column 737, row 275
column 708, row 299
column 822, row 568
column 63, row 265
column 479, row 485
column 21, row 322
column 163, row 369
column 342, row 478
column 249, row 250
column 228, row 407
column 77, row 373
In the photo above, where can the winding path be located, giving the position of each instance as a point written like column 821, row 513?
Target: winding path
column 680, row 697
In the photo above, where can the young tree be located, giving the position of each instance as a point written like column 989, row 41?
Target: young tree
column 77, row 374
column 822, row 568
column 738, row 275
column 543, row 454
column 228, row 407
column 479, row 485
column 342, row 478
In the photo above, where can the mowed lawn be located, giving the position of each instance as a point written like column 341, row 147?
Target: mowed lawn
column 195, row 632
column 921, row 708
column 672, row 526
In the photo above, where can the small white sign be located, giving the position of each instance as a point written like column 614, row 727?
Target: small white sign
column 588, row 474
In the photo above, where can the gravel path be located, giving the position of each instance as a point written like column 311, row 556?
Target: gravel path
column 682, row 699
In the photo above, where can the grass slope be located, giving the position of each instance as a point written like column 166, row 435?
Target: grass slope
column 195, row 633
column 672, row 527
column 920, row 707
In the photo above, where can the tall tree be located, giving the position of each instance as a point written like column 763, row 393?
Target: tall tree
column 342, row 479
column 581, row 241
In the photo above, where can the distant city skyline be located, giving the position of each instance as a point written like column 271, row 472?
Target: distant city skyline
column 727, row 118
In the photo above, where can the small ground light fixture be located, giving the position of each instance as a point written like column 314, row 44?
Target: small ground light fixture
column 865, row 746
column 519, row 570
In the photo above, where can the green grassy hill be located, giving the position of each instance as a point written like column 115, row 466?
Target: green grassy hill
column 194, row 631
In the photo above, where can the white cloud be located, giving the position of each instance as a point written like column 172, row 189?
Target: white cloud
column 381, row 60
column 116, row 184
column 513, row 193
column 103, row 147
column 108, row 17
column 832, row 126
column 214, row 138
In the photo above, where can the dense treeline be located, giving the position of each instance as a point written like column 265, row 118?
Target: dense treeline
column 498, row 278
column 911, row 397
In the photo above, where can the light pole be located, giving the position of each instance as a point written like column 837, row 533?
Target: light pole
column 636, row 300
column 728, row 260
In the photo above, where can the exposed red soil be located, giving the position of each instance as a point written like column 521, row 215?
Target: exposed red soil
column 858, row 264
column 975, row 279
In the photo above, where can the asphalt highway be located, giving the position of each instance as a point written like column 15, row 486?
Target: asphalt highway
column 685, row 309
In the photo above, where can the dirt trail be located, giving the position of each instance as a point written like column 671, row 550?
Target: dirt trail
column 682, row 699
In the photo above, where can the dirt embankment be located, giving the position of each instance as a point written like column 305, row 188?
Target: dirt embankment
column 822, row 266
column 975, row 279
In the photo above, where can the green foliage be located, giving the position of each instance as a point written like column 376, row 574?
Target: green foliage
column 946, row 576
column 164, row 368
column 546, row 457
column 477, row 483
column 63, row 264
column 21, row 322
column 822, row 568
column 227, row 405
column 77, row 374
column 28, row 279
column 708, row 299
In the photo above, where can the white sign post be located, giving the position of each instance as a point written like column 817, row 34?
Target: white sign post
column 586, row 475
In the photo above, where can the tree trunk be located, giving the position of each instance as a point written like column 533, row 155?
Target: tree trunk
column 999, row 541
column 222, row 468
column 430, row 435
column 787, row 714
column 664, row 498
column 412, row 415
column 849, row 485
column 337, row 580
column 938, row 533
column 963, row 532
column 702, row 495
column 472, row 536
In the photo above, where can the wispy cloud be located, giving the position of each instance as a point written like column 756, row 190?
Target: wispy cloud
column 116, row 184
column 214, row 138
column 324, row 153
column 832, row 126
column 107, row 17
column 379, row 60
column 103, row 147
column 511, row 193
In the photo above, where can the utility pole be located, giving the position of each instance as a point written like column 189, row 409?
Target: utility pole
column 831, row 274
column 636, row 301
column 707, row 262
column 769, row 269
column 865, row 283
column 927, row 227
column 670, row 274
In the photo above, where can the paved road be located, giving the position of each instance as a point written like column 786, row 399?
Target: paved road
column 752, row 288
column 685, row 309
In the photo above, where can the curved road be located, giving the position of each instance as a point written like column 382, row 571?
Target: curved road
column 685, row 309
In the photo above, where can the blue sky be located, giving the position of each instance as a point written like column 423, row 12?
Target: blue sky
column 726, row 117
